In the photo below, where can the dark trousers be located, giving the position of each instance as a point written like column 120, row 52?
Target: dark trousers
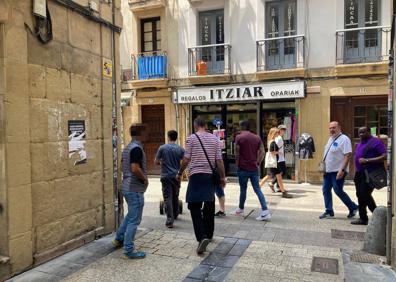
column 170, row 192
column 363, row 193
column 203, row 219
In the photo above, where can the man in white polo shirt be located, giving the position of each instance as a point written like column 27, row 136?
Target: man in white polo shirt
column 337, row 153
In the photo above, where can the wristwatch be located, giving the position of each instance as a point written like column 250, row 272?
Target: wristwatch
column 366, row 160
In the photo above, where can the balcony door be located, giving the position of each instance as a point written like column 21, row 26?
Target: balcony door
column 363, row 45
column 281, row 21
column 211, row 31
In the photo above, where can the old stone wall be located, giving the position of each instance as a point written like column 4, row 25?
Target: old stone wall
column 52, row 204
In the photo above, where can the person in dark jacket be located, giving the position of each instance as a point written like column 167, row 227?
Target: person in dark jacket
column 370, row 155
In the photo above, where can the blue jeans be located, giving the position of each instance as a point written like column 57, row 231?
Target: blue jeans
column 127, row 230
column 243, row 177
column 330, row 181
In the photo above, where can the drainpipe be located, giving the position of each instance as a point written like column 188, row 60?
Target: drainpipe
column 391, row 146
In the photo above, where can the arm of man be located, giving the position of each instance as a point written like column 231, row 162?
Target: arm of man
column 158, row 157
column 382, row 155
column 184, row 163
column 220, row 165
column 261, row 154
column 136, row 160
column 347, row 151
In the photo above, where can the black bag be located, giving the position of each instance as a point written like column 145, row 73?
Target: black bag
column 216, row 179
column 377, row 178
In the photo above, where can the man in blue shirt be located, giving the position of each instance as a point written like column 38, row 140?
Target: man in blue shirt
column 169, row 156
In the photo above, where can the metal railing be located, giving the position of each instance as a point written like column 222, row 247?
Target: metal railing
column 147, row 65
column 277, row 53
column 362, row 45
column 209, row 59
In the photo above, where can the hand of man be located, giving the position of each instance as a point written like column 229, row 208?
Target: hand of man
column 146, row 182
column 178, row 178
column 340, row 175
column 362, row 161
column 223, row 183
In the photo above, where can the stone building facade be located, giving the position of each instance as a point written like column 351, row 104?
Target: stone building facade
column 49, row 201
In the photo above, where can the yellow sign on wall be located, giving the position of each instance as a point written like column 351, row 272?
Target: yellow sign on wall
column 107, row 68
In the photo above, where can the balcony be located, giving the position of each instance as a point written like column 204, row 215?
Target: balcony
column 209, row 63
column 140, row 5
column 363, row 45
column 285, row 54
column 149, row 69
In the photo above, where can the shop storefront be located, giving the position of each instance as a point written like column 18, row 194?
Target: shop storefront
column 263, row 105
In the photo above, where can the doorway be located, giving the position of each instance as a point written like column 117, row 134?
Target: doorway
column 154, row 118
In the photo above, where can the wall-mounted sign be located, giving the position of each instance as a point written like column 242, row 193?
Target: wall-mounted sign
column 107, row 68
column 77, row 133
column 249, row 92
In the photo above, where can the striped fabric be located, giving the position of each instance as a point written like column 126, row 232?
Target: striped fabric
column 194, row 152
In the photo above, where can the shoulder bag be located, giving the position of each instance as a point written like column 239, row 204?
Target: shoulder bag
column 215, row 174
column 270, row 160
column 378, row 177
column 322, row 164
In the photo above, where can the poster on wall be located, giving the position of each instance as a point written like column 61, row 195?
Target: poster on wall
column 77, row 133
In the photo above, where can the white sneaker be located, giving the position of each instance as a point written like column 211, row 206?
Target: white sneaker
column 238, row 212
column 265, row 215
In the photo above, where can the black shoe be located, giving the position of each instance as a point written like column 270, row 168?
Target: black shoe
column 352, row 213
column 202, row 246
column 219, row 214
column 359, row 221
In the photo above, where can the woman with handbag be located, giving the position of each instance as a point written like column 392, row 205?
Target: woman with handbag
column 270, row 159
column 370, row 156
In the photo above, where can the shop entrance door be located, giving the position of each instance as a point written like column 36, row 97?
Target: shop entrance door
column 365, row 111
column 154, row 118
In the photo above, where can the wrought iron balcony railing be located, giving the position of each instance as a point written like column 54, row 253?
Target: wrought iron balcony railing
column 209, row 59
column 277, row 53
column 148, row 65
column 363, row 45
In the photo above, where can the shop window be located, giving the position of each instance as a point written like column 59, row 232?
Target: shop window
column 363, row 43
column 151, row 35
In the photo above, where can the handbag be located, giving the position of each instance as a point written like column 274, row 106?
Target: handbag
column 377, row 178
column 322, row 163
column 216, row 179
column 270, row 161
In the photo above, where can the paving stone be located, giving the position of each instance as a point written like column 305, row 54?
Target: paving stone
column 243, row 242
column 218, row 274
column 200, row 272
column 214, row 259
column 59, row 267
column 36, row 276
column 229, row 240
column 223, row 248
column 238, row 250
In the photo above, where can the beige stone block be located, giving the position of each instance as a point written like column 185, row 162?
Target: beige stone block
column 94, row 123
column 59, row 21
column 107, row 122
column 66, row 57
column 18, row 164
column 49, row 161
column 85, row 90
column 17, row 16
column 4, row 11
column 21, row 252
column 43, row 203
column 108, row 153
column 105, row 12
column 85, row 63
column 109, row 223
column 37, row 81
column 78, row 193
column 117, row 4
column 48, row 55
column 48, row 235
column 118, row 19
column 17, row 120
column 58, row 85
column 19, row 210
column 16, row 44
column 16, row 81
column 84, row 34
column 107, row 94
column 106, row 42
column 81, row 2
column 108, row 186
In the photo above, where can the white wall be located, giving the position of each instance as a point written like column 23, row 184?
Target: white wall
column 127, row 35
column 244, row 24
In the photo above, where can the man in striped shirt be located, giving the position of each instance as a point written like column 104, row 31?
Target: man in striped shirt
column 200, row 189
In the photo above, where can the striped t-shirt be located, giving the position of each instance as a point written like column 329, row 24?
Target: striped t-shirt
column 194, row 152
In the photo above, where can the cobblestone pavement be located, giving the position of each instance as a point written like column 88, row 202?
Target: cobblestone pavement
column 242, row 250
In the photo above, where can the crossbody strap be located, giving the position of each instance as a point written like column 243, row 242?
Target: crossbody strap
column 328, row 149
column 206, row 155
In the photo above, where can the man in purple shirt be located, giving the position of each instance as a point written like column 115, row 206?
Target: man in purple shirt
column 370, row 154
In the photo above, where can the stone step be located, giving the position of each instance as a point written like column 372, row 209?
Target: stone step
column 4, row 259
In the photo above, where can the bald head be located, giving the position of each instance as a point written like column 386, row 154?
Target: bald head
column 334, row 128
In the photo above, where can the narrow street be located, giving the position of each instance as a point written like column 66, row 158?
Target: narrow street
column 243, row 249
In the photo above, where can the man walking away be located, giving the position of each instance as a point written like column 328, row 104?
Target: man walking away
column 249, row 152
column 169, row 157
column 201, row 188
column 134, row 184
column 337, row 153
column 370, row 155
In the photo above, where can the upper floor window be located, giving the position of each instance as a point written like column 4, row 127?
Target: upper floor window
column 151, row 35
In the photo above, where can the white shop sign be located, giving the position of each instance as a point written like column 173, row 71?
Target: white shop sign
column 248, row 92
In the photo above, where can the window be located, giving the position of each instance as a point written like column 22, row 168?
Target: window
column 151, row 35
column 373, row 116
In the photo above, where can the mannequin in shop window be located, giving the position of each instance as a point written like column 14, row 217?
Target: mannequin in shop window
column 306, row 147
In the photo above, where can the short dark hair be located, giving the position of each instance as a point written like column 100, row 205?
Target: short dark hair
column 244, row 124
column 172, row 135
column 136, row 129
column 199, row 122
